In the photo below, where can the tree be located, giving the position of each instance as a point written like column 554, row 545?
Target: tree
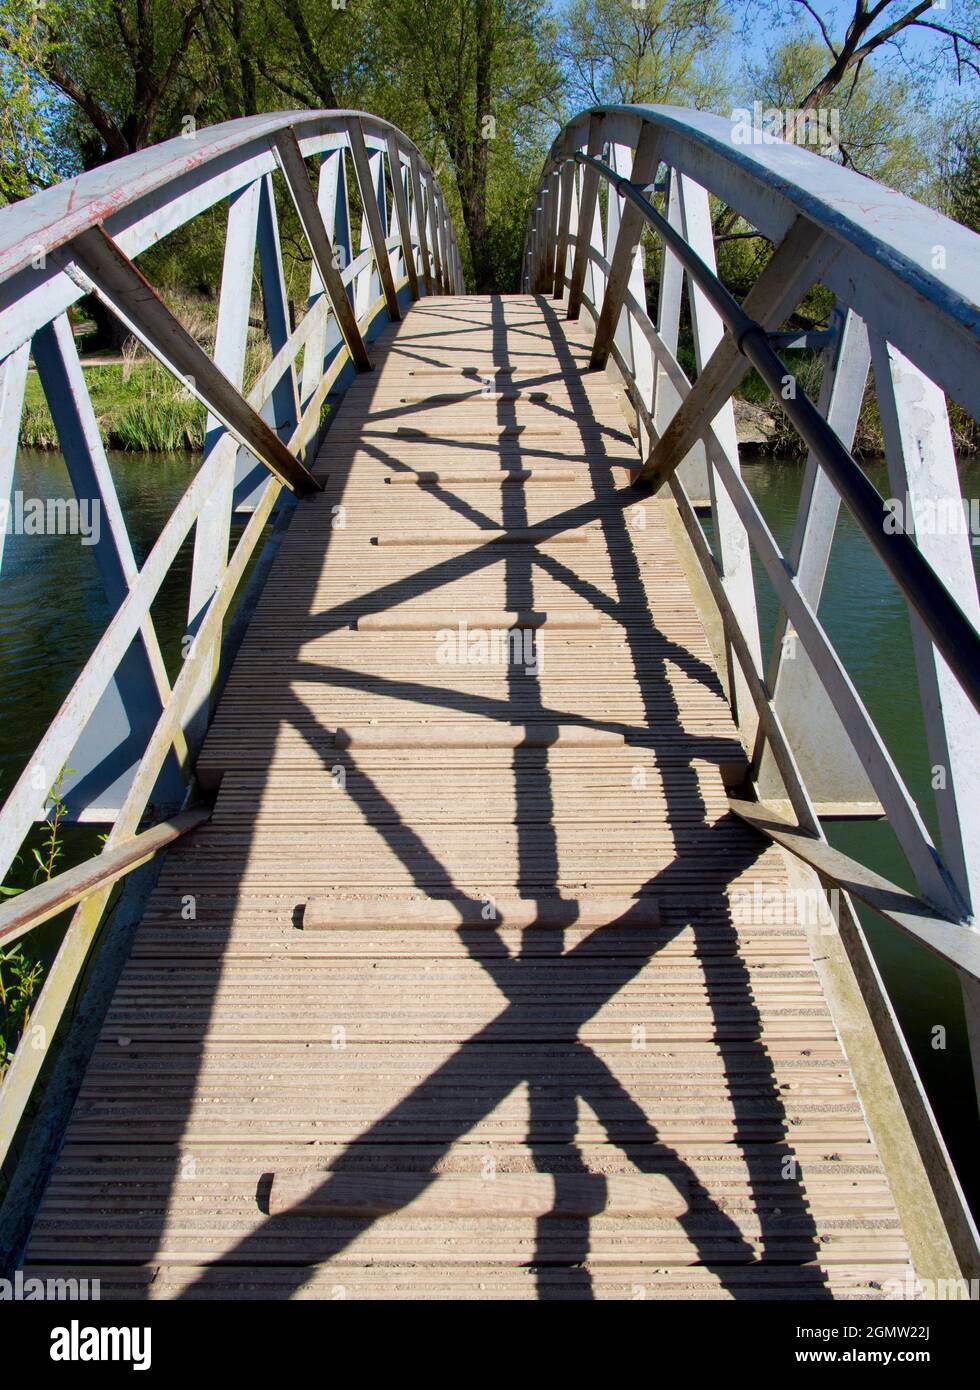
column 887, row 25
column 958, row 166
column 25, row 156
column 483, row 72
column 123, row 65
column 300, row 53
column 877, row 128
column 614, row 51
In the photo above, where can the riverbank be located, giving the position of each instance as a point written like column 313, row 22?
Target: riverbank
column 762, row 429
column 138, row 404
column 141, row 408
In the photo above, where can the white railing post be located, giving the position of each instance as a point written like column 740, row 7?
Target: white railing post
column 419, row 221
column 587, row 215
column 335, row 214
column 625, row 232
column 13, row 379
column 369, row 170
column 926, row 494
column 829, row 763
column 731, row 541
column 213, row 529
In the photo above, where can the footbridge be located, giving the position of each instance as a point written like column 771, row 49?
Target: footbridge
column 466, row 923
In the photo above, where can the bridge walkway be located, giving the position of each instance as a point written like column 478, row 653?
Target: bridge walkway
column 464, row 990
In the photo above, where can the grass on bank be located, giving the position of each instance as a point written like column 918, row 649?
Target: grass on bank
column 139, row 406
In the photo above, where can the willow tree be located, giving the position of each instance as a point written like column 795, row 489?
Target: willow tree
column 25, row 154
column 618, row 51
column 484, row 75
column 123, row 67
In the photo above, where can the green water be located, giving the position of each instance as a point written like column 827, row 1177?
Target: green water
column 867, row 620
column 53, row 608
column 52, row 612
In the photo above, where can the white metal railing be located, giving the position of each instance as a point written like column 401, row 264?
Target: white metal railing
column 907, row 286
column 82, row 237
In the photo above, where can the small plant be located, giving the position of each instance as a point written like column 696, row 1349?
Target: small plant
column 21, row 971
column 51, row 846
column 130, row 351
column 20, row 982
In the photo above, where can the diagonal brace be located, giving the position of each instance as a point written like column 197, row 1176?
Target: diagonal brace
column 294, row 171
column 645, row 164
column 372, row 215
column 401, row 212
column 101, row 268
column 586, row 216
column 790, row 273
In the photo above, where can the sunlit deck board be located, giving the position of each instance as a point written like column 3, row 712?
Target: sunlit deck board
column 699, row 1047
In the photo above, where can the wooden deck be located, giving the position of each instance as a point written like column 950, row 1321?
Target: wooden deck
column 626, row 1082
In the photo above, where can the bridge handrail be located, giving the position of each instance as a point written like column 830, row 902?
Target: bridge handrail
column 82, row 237
column 556, row 258
column 906, row 282
column 915, row 269
column 953, row 633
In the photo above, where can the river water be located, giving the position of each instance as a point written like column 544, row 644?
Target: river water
column 52, row 611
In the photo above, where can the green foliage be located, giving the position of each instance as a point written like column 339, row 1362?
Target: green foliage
column 144, row 410
column 958, row 166
column 881, row 116
column 662, row 50
column 479, row 85
column 21, row 974
column 25, row 155
column 21, row 970
column 51, row 847
column 472, row 82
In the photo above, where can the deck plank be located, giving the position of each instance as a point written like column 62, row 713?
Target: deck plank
column 692, row 1044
